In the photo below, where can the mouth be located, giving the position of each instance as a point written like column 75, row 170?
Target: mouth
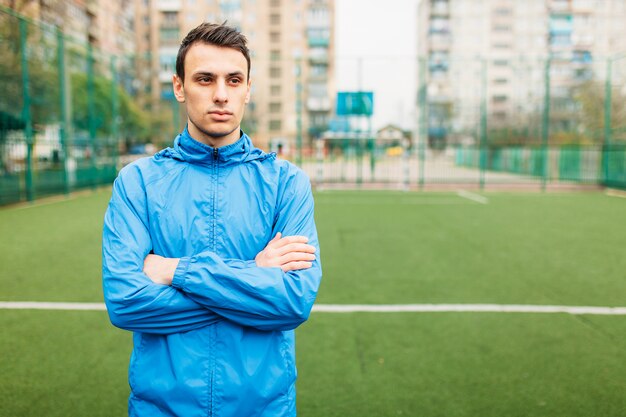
column 220, row 115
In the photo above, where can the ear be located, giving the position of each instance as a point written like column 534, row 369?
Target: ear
column 248, row 92
column 179, row 89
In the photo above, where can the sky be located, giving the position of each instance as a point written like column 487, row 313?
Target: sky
column 375, row 45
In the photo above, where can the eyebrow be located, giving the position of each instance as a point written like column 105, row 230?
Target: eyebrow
column 210, row 74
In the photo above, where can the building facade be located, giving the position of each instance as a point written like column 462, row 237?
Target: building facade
column 494, row 59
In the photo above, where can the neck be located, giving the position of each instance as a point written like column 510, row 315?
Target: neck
column 211, row 140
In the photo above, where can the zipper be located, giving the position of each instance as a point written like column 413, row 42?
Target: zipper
column 214, row 199
column 213, row 245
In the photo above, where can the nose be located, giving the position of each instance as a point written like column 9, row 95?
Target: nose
column 220, row 94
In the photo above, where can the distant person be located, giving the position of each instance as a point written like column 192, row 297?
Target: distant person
column 210, row 252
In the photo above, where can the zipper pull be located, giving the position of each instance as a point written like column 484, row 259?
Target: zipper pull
column 214, row 153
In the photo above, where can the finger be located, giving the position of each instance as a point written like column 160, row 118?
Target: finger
column 291, row 239
column 294, row 266
column 296, row 257
column 275, row 239
column 295, row 247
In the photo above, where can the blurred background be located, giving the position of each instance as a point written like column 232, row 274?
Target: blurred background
column 403, row 94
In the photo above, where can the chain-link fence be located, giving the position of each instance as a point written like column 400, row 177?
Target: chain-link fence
column 66, row 110
column 525, row 121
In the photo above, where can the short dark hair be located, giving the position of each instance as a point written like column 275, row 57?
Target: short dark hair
column 213, row 34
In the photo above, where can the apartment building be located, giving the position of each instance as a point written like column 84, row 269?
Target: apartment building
column 108, row 26
column 292, row 48
column 495, row 57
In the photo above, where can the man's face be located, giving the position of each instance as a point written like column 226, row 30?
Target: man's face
column 215, row 92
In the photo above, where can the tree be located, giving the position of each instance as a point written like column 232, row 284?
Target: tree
column 590, row 97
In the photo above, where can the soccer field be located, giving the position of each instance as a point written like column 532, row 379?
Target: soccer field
column 388, row 248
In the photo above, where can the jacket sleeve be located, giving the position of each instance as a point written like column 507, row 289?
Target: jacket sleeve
column 264, row 298
column 133, row 301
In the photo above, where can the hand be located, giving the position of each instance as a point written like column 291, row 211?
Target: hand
column 288, row 253
column 159, row 269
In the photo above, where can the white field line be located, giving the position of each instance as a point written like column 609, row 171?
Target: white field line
column 369, row 308
column 426, row 202
column 471, row 196
column 466, row 308
column 52, row 200
column 616, row 193
column 37, row 305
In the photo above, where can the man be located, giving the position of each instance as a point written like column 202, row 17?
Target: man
column 210, row 253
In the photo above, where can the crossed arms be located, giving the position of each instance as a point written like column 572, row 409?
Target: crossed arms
column 289, row 253
column 148, row 293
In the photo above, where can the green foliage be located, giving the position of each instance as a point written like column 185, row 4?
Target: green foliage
column 92, row 102
column 592, row 100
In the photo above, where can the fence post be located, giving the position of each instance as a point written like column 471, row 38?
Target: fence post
column 319, row 148
column 545, row 124
column 91, row 112
column 298, row 113
column 64, row 110
column 26, row 114
column 483, row 127
column 607, row 122
column 114, row 112
column 423, row 128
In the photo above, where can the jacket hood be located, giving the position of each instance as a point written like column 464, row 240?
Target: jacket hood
column 190, row 150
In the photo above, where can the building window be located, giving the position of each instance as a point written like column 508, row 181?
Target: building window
column 275, row 90
column 168, row 34
column 275, row 19
column 275, row 125
column 275, row 3
column 501, row 28
column 318, row 70
column 275, row 72
column 169, row 19
column 275, row 107
column 275, row 55
column 274, row 36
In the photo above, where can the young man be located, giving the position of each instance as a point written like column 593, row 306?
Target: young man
column 210, row 253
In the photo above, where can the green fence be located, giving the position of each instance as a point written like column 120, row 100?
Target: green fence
column 544, row 121
column 66, row 110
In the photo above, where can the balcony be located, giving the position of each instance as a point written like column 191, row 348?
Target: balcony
column 318, row 37
column 560, row 6
column 318, row 41
column 318, row 104
column 440, row 8
column 168, row 5
column 439, row 41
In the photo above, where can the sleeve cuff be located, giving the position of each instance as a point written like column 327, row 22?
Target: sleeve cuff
column 180, row 275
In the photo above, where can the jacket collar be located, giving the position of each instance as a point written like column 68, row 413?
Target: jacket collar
column 190, row 150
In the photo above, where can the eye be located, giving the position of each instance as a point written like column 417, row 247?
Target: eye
column 235, row 81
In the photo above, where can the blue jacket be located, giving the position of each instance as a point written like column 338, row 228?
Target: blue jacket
column 219, row 341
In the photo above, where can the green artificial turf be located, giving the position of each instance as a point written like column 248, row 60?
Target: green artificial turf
column 380, row 248
column 452, row 364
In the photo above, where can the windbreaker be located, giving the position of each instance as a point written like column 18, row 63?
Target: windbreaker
column 219, row 341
